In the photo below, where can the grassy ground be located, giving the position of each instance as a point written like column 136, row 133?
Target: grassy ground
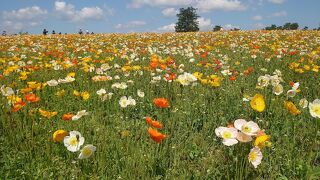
column 191, row 150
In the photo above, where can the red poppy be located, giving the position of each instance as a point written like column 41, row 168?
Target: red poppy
column 155, row 135
column 155, row 124
column 170, row 77
column 31, row 97
column 67, row 117
column 233, row 78
column 17, row 106
column 291, row 83
column 161, row 102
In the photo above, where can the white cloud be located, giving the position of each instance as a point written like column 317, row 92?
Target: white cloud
column 68, row 12
column 227, row 5
column 169, row 12
column 204, row 24
column 28, row 13
column 257, row 18
column 167, row 28
column 131, row 24
column 140, row 3
column 22, row 19
column 277, row 1
column 230, row 26
column 279, row 14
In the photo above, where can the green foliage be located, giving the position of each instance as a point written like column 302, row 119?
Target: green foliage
column 286, row 26
column 187, row 20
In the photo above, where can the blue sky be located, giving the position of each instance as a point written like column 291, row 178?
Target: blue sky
column 122, row 16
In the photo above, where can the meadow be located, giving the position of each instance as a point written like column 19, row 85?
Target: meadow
column 209, row 105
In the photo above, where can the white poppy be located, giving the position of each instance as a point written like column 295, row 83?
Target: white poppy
column 101, row 92
column 124, row 102
column 140, row 93
column 74, row 141
column 277, row 89
column 6, row 91
column 303, row 103
column 229, row 135
column 249, row 128
column 87, row 151
column 255, row 156
column 314, row 108
column 291, row 93
column 79, row 115
column 52, row 82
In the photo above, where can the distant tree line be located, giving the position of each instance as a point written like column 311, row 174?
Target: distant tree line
column 286, row 26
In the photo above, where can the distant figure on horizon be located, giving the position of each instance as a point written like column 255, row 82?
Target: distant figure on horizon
column 92, row 33
column 53, row 32
column 4, row 33
column 59, row 33
column 44, row 32
column 87, row 32
column 80, row 31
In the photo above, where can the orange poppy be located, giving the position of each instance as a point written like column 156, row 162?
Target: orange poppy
column 155, row 135
column 31, row 97
column 170, row 77
column 163, row 66
column 155, row 124
column 17, row 106
column 67, row 117
column 250, row 69
column 161, row 102
column 246, row 72
column 233, row 78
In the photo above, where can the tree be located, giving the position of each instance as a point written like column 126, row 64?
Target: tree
column 272, row 27
column 187, row 20
column 294, row 26
column 217, row 28
column 290, row 26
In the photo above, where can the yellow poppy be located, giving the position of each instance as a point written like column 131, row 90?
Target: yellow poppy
column 257, row 103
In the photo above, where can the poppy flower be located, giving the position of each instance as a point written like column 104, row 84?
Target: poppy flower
column 31, row 97
column 155, row 124
column 155, row 135
column 161, row 102
column 228, row 135
column 262, row 141
column 314, row 108
column 292, row 108
column 87, row 151
column 170, row 77
column 257, row 103
column 17, row 106
column 59, row 135
column 233, row 78
column 255, row 156
column 74, row 141
column 67, row 117
column 47, row 114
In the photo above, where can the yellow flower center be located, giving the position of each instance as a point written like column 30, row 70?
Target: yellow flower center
column 73, row 141
column 252, row 156
column 246, row 129
column 86, row 152
column 226, row 135
column 316, row 109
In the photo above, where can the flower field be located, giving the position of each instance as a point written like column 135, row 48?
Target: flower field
column 211, row 105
